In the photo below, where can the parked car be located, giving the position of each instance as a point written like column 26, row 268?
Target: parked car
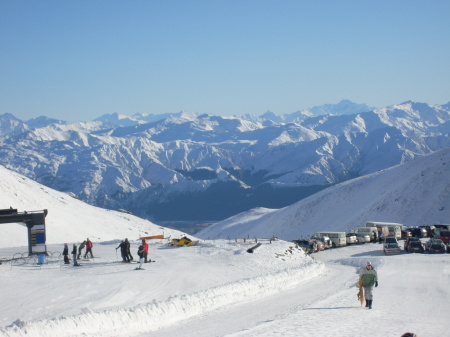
column 439, row 226
column 389, row 239
column 319, row 244
column 435, row 246
column 362, row 237
column 391, row 249
column 307, row 245
column 415, row 247
column 443, row 234
column 408, row 241
column 406, row 233
column 418, row 232
column 326, row 242
column 430, row 230
column 351, row 238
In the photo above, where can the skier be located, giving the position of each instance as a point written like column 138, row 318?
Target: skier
column 80, row 249
column 141, row 256
column 66, row 254
column 128, row 251
column 89, row 246
column 145, row 245
column 369, row 278
column 123, row 250
column 74, row 254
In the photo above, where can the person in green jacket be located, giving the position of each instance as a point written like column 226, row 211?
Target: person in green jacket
column 369, row 278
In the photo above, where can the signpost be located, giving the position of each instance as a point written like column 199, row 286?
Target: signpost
column 34, row 221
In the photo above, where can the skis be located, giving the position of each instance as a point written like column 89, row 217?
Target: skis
column 139, row 268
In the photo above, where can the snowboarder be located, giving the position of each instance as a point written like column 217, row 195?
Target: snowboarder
column 145, row 245
column 66, row 254
column 89, row 246
column 74, row 254
column 368, row 276
column 80, row 249
column 141, row 256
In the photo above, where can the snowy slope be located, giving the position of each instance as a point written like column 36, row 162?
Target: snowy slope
column 413, row 194
column 68, row 219
column 213, row 289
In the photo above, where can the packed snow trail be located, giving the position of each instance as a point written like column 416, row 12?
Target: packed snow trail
column 263, row 310
column 160, row 314
column 186, row 283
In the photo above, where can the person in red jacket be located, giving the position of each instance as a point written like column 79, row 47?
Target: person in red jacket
column 145, row 245
column 89, row 246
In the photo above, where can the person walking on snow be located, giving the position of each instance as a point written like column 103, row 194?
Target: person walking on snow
column 369, row 278
column 145, row 245
column 380, row 236
column 89, row 246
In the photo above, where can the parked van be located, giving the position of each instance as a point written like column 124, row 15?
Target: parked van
column 371, row 231
column 381, row 227
column 338, row 239
column 395, row 229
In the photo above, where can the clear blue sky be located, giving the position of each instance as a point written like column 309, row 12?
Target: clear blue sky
column 78, row 60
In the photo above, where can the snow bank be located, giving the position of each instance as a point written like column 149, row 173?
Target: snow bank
column 156, row 315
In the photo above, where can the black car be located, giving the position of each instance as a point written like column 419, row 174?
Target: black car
column 408, row 241
column 416, row 247
column 429, row 229
column 418, row 232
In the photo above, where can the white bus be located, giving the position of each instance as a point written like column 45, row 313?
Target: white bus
column 338, row 239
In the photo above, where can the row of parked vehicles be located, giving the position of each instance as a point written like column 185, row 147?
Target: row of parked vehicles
column 386, row 233
column 416, row 245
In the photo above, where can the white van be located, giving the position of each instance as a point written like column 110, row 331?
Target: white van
column 382, row 227
column 338, row 239
column 395, row 229
column 371, row 231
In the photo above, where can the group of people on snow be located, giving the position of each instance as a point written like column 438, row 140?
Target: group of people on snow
column 126, row 252
column 77, row 252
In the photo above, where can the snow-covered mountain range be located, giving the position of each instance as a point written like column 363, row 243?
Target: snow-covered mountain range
column 216, row 288
column 415, row 193
column 188, row 166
